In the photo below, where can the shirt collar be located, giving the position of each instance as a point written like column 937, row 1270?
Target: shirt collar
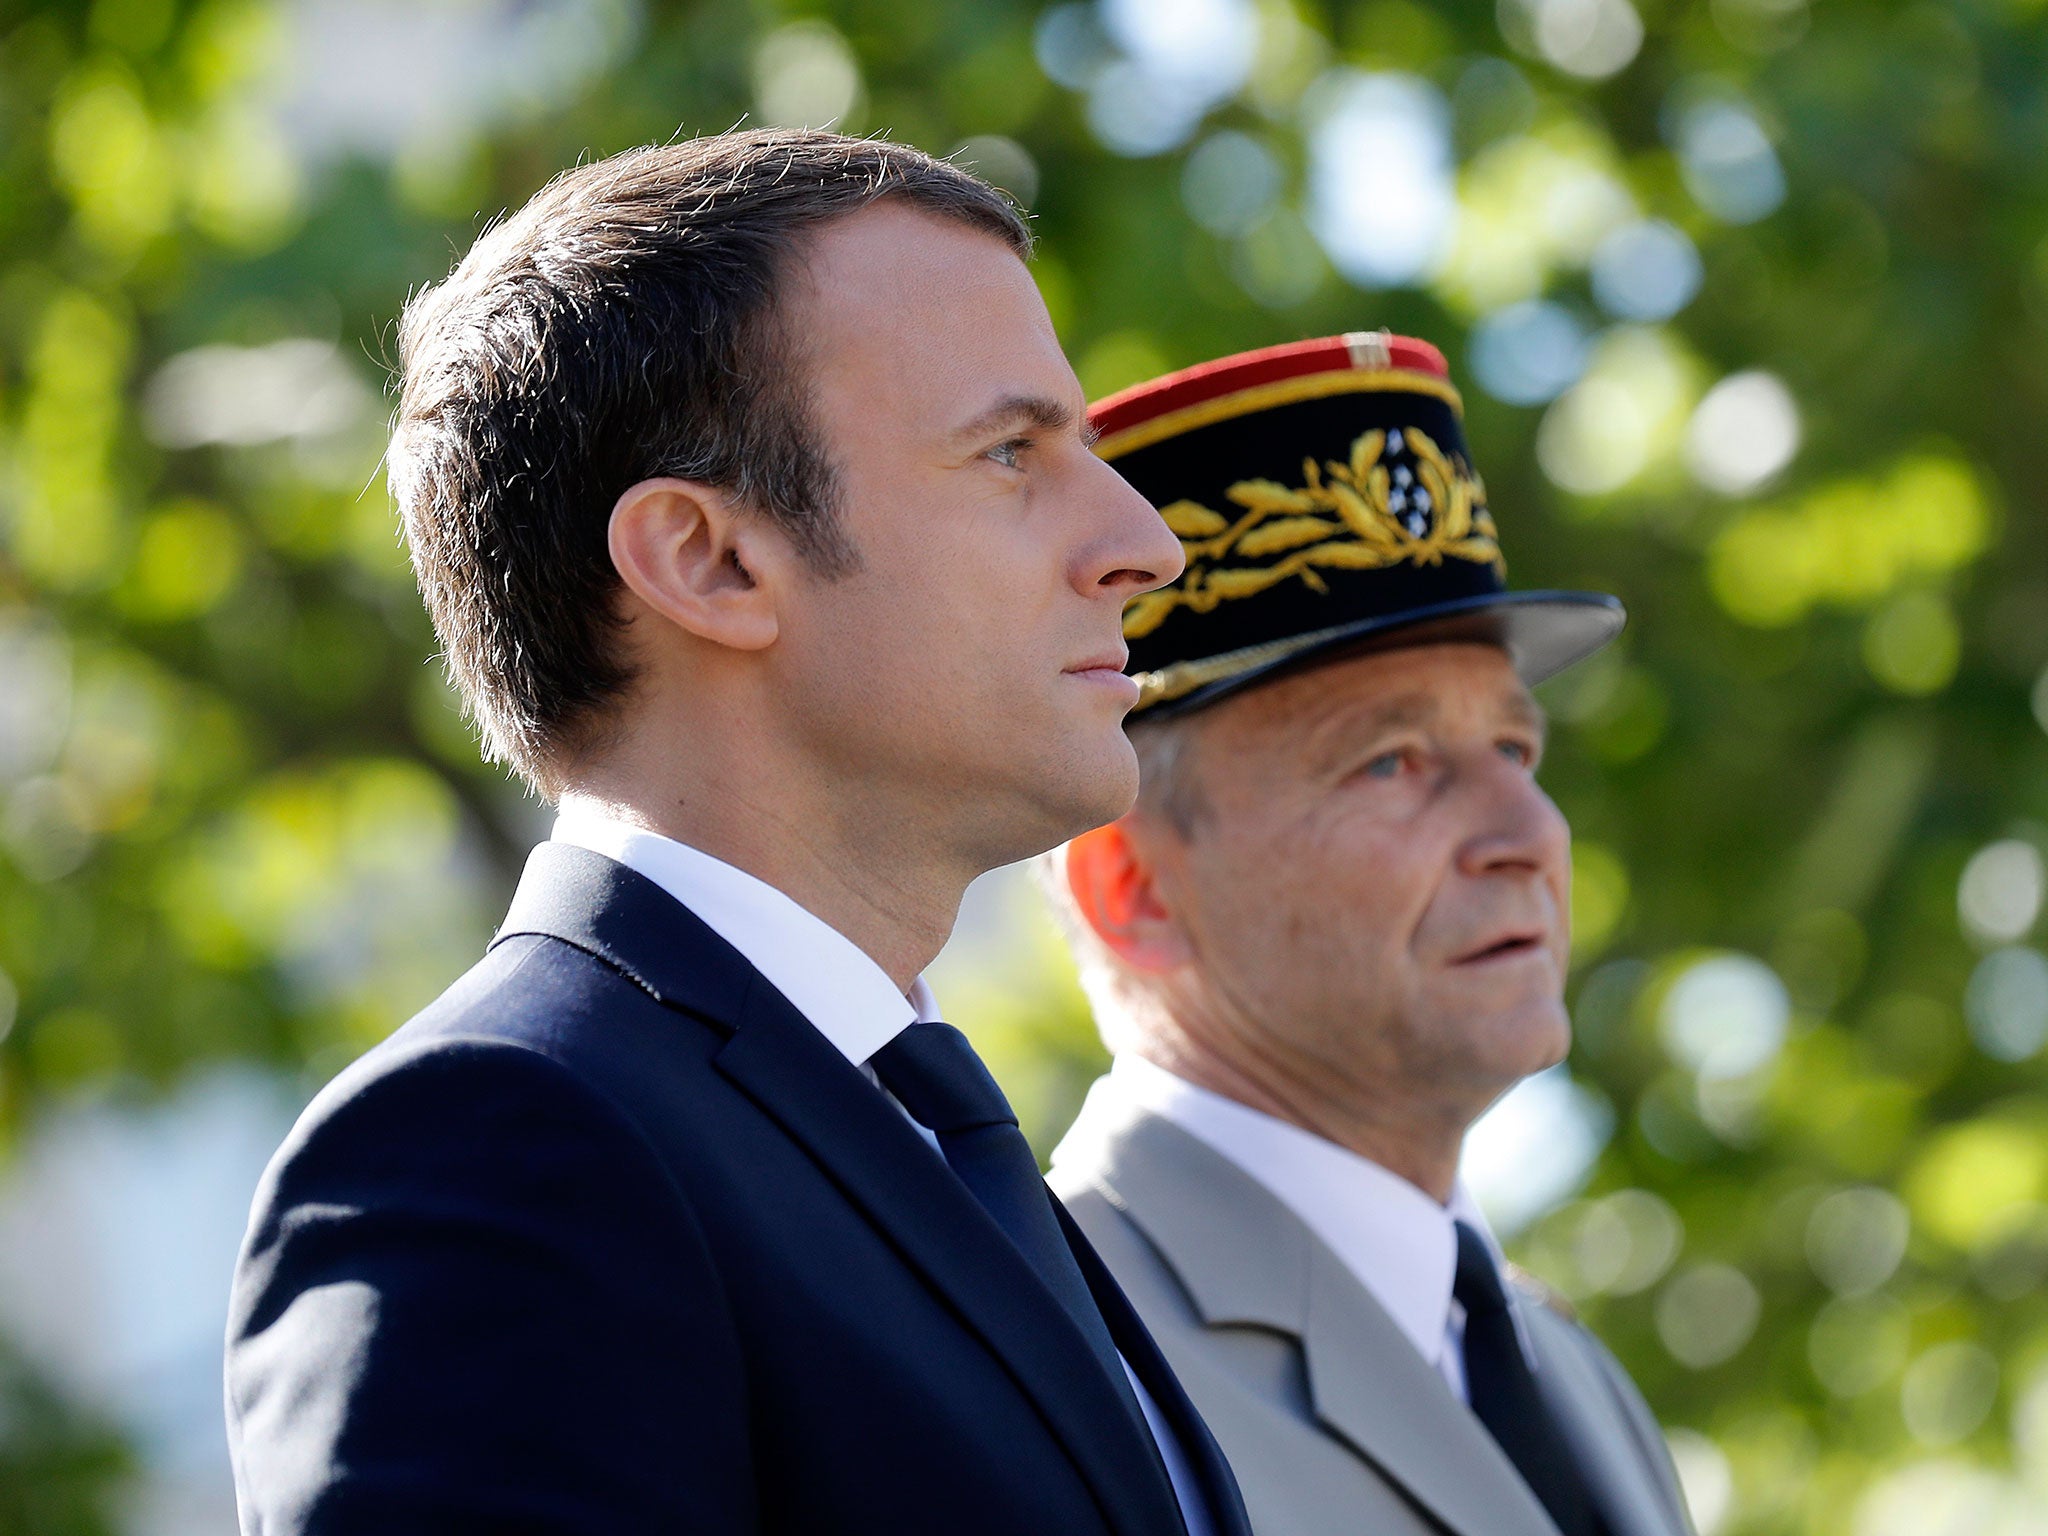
column 1397, row 1241
column 829, row 979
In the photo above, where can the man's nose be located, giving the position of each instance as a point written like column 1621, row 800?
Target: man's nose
column 1517, row 824
column 1135, row 551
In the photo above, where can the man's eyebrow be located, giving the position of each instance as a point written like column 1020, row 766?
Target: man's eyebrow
column 1041, row 413
column 1331, row 736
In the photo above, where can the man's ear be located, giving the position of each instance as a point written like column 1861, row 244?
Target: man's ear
column 688, row 553
column 1116, row 890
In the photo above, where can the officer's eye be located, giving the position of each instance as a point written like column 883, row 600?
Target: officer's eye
column 1008, row 454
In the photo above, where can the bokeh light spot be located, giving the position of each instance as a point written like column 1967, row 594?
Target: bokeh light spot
column 1380, row 188
column 805, row 76
column 1942, row 1498
column 1592, row 39
column 1612, row 425
column 1646, row 271
column 1975, row 1182
column 1728, row 163
column 35, row 706
column 1623, row 1243
column 1528, row 353
column 1230, row 182
column 1001, row 162
column 1725, row 1016
column 1948, row 1391
column 188, row 557
column 1744, row 431
column 1856, row 1238
column 1858, row 1344
column 1998, row 898
column 1535, row 1147
column 299, row 388
column 1850, row 543
column 1912, row 645
column 1599, row 897
column 1119, row 360
column 1706, row 1314
column 2006, row 1003
column 1154, row 68
column 1071, row 45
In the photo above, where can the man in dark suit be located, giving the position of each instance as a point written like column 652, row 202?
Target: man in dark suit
column 750, row 494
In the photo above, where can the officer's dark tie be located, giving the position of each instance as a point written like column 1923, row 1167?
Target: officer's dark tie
column 935, row 1074
column 1504, row 1395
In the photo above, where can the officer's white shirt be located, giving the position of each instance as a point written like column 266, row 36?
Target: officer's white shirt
column 1399, row 1242
column 832, row 982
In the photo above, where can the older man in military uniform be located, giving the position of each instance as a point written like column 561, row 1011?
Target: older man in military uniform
column 1333, row 931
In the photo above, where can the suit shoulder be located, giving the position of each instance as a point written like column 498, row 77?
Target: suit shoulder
column 537, row 1039
column 537, row 997
column 530, row 989
column 472, row 1110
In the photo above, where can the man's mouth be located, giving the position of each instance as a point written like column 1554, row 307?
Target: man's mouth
column 1505, row 947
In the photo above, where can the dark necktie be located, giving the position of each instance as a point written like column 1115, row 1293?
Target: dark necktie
column 1504, row 1395
column 935, row 1074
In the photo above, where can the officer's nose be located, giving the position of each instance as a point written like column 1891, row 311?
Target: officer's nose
column 1518, row 825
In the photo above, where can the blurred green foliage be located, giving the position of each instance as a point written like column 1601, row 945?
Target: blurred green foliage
column 240, row 816
column 56, row 1463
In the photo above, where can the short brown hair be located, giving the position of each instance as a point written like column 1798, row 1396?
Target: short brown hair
column 620, row 327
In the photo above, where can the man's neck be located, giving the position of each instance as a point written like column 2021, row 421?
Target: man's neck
column 862, row 881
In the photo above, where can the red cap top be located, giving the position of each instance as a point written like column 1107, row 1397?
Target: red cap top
column 1364, row 351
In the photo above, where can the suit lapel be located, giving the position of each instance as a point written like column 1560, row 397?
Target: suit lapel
column 1134, row 1342
column 1602, row 1436
column 1246, row 1259
column 865, row 1146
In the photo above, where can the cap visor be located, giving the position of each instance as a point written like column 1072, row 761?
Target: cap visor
column 1542, row 632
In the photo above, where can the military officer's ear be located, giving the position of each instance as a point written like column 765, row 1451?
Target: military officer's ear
column 1115, row 888
column 686, row 551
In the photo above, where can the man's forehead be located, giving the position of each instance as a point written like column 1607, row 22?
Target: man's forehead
column 900, row 309
column 1389, row 689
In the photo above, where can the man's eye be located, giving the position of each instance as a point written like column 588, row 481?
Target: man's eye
column 1518, row 752
column 1385, row 766
column 1007, row 454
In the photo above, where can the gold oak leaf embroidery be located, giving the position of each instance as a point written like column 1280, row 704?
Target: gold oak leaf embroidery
column 1340, row 518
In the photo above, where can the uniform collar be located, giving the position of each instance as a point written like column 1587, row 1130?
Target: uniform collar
column 1397, row 1241
column 829, row 979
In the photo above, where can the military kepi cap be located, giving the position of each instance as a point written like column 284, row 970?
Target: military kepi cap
column 1327, row 503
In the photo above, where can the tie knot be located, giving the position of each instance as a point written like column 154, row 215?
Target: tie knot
column 1478, row 1285
column 935, row 1074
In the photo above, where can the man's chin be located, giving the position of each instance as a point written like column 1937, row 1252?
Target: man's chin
column 1094, row 790
column 1047, row 802
column 1520, row 1042
column 1541, row 1042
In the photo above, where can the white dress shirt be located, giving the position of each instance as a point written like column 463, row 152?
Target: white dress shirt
column 833, row 983
column 1398, row 1242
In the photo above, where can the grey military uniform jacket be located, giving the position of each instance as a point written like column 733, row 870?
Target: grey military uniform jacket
column 1331, row 1419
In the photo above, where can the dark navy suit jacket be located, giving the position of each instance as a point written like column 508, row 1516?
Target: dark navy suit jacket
column 610, row 1240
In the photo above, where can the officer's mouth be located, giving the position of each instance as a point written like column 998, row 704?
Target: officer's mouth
column 1507, row 947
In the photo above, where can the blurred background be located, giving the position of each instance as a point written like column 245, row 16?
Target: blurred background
column 1749, row 299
